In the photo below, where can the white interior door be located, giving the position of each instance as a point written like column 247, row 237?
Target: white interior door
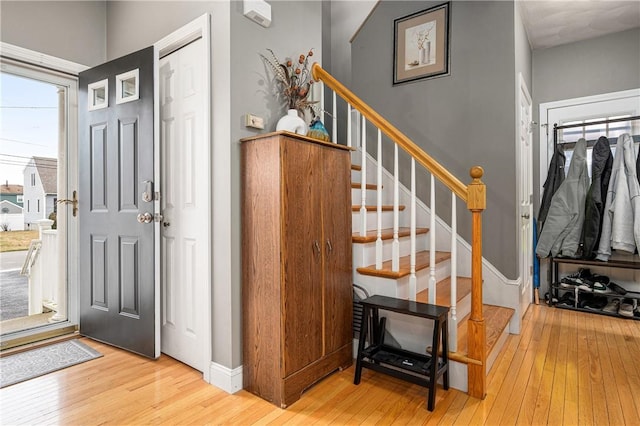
column 526, row 194
column 185, row 203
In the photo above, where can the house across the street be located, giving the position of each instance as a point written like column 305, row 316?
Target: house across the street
column 11, row 192
column 40, row 189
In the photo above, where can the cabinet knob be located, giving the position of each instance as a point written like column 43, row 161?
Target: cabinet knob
column 316, row 247
column 329, row 246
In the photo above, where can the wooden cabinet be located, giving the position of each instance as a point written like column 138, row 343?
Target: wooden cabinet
column 297, row 269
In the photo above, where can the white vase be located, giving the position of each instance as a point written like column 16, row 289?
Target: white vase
column 292, row 123
column 425, row 53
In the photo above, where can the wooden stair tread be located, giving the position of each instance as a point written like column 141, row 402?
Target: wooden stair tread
column 356, row 167
column 385, row 208
column 387, row 234
column 422, row 262
column 496, row 318
column 443, row 291
column 358, row 185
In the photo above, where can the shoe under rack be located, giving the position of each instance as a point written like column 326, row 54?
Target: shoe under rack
column 594, row 293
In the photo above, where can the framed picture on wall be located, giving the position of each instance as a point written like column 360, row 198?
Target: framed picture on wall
column 421, row 45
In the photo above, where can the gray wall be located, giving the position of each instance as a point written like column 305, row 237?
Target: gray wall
column 522, row 47
column 601, row 65
column 462, row 120
column 71, row 30
column 296, row 27
column 134, row 25
column 346, row 18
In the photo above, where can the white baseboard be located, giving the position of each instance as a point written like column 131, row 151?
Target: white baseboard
column 229, row 380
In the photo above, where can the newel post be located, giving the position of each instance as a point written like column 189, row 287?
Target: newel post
column 476, row 203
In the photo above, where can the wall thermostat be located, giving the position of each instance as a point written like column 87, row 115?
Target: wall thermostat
column 258, row 11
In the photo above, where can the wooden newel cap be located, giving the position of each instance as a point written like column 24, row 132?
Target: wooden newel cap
column 476, row 191
column 476, row 172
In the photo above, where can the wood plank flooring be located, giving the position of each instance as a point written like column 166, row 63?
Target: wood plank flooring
column 565, row 368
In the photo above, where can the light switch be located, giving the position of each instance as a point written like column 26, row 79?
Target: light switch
column 254, row 121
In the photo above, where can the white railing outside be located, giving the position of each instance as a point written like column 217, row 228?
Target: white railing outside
column 41, row 267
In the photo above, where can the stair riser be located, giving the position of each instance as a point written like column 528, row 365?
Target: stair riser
column 365, row 254
column 372, row 196
column 400, row 288
column 387, row 220
column 404, row 219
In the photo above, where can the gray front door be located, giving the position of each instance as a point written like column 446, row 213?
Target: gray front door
column 116, row 163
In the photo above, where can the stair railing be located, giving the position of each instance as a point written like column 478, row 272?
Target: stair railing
column 474, row 195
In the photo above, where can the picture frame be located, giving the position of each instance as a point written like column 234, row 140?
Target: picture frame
column 421, row 45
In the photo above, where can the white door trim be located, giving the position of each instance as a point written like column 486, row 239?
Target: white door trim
column 63, row 73
column 41, row 60
column 200, row 27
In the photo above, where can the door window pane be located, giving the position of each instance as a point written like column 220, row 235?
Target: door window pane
column 127, row 87
column 98, row 95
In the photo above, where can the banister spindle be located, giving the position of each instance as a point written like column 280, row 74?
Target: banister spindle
column 432, row 243
column 412, row 277
column 363, row 178
column 395, row 255
column 334, row 111
column 379, row 204
column 453, row 334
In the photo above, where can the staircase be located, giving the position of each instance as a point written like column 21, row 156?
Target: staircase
column 392, row 283
column 401, row 249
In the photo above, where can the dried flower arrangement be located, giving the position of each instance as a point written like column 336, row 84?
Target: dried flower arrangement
column 294, row 81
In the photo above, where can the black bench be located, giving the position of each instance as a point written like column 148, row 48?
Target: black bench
column 421, row 369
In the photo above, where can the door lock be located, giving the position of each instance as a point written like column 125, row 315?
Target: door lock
column 145, row 217
column 526, row 216
column 147, row 195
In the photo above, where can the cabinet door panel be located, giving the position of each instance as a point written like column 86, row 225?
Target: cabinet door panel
column 336, row 215
column 302, row 255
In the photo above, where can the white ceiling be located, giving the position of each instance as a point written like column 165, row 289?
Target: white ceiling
column 554, row 22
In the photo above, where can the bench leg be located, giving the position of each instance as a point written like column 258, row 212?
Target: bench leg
column 361, row 343
column 434, row 365
column 445, row 353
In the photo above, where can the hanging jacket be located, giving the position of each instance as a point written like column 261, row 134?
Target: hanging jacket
column 563, row 227
column 601, row 163
column 555, row 177
column 630, row 155
column 621, row 224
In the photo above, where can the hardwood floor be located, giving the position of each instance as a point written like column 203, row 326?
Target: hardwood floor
column 565, row 368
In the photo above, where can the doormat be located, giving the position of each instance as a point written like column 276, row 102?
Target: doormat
column 38, row 362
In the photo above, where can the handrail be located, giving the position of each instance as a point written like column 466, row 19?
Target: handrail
column 448, row 179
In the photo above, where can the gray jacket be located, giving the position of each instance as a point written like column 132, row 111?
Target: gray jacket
column 621, row 224
column 561, row 233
